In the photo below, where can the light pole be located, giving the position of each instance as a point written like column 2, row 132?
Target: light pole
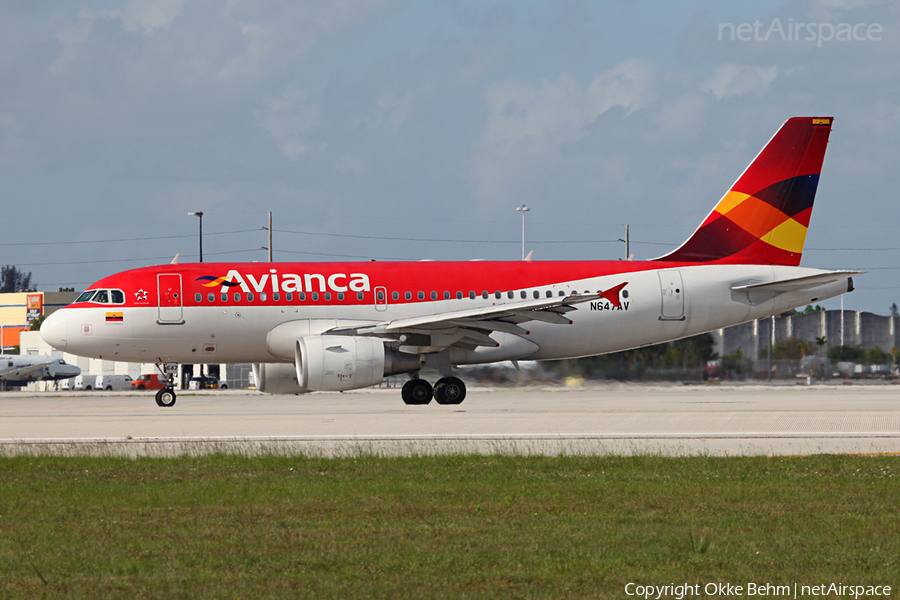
column 199, row 213
column 523, row 209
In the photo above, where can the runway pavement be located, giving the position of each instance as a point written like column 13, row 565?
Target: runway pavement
column 670, row 419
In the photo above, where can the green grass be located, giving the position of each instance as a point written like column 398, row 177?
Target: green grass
column 448, row 526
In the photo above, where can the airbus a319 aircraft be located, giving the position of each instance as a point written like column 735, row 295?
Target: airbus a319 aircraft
column 342, row 326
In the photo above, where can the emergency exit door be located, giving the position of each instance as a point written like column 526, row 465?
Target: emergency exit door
column 168, row 286
column 672, row 291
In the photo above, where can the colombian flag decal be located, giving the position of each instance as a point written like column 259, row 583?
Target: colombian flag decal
column 821, row 121
column 115, row 317
column 214, row 281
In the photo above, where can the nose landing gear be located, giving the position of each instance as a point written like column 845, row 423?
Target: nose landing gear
column 166, row 397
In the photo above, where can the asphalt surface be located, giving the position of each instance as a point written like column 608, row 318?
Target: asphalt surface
column 670, row 419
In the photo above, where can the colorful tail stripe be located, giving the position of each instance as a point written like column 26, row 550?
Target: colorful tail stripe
column 765, row 215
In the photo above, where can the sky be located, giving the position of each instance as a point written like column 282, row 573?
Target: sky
column 393, row 130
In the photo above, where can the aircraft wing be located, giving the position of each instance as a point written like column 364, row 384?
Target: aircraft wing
column 17, row 374
column 474, row 325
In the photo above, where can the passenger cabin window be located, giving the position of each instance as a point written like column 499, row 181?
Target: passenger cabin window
column 484, row 294
column 198, row 297
column 340, row 295
column 523, row 294
column 537, row 294
column 409, row 295
column 249, row 297
column 395, row 295
column 211, row 297
column 276, row 297
column 472, row 295
column 315, row 295
column 459, row 295
column 289, row 296
column 328, row 296
column 446, row 295
column 380, row 295
column 359, row 295
column 510, row 295
column 237, row 297
column 498, row 294
column 224, row 297
column 262, row 297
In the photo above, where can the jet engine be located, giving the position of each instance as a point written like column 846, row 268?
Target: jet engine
column 333, row 363
column 336, row 362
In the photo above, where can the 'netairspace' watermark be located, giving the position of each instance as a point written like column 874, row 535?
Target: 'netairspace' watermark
column 687, row 590
column 795, row 32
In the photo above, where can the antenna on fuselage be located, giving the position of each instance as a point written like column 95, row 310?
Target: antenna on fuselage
column 175, row 260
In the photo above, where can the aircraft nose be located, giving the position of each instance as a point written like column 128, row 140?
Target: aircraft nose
column 53, row 330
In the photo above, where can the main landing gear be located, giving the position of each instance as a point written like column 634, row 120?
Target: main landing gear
column 166, row 397
column 448, row 390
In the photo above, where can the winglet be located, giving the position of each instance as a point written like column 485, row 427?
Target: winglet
column 612, row 294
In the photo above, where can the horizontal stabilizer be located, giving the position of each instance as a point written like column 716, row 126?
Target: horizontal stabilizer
column 758, row 293
column 797, row 283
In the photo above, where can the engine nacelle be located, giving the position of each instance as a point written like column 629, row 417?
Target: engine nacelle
column 333, row 363
column 277, row 378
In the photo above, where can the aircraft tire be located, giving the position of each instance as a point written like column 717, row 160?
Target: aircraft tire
column 449, row 390
column 417, row 392
column 165, row 397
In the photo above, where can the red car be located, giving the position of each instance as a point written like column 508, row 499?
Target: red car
column 147, row 381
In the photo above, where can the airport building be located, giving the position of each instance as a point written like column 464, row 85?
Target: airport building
column 18, row 310
column 831, row 328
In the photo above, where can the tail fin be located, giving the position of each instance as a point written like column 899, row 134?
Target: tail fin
column 764, row 216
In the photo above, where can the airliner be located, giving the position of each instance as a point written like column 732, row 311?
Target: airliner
column 17, row 370
column 335, row 326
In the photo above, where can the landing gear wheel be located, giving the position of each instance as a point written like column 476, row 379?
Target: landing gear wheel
column 417, row 391
column 165, row 397
column 449, row 390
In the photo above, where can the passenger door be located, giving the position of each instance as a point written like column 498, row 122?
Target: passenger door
column 170, row 302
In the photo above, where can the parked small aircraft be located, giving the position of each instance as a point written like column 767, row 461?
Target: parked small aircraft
column 17, row 370
column 342, row 326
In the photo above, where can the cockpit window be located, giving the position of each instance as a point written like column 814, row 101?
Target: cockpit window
column 103, row 296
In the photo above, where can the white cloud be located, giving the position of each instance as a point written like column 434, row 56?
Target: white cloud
column 288, row 119
column 828, row 10
column 147, row 16
column 731, row 80
column 530, row 122
column 70, row 38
